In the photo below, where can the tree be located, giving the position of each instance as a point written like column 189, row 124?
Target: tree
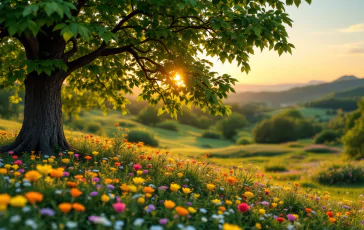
column 112, row 46
column 229, row 126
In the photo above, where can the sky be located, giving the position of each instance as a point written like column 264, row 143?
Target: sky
column 329, row 40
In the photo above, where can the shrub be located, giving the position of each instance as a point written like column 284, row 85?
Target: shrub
column 275, row 168
column 321, row 149
column 169, row 125
column 126, row 124
column 94, row 127
column 229, row 125
column 292, row 113
column 326, row 136
column 243, row 141
column 211, row 134
column 341, row 174
column 276, row 130
column 146, row 137
column 78, row 125
column 204, row 122
column 149, row 116
column 353, row 140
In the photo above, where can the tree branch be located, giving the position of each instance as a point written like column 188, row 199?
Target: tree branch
column 79, row 5
column 129, row 16
column 71, row 52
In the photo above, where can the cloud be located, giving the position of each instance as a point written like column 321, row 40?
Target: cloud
column 348, row 49
column 354, row 28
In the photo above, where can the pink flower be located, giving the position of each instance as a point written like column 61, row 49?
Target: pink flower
column 18, row 162
column 77, row 155
column 243, row 207
column 11, row 152
column 119, row 207
column 137, row 167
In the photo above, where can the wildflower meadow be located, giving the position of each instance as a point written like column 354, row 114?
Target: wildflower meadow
column 114, row 184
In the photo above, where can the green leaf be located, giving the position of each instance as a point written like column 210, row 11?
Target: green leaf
column 67, row 34
column 84, row 32
column 32, row 9
column 59, row 26
column 257, row 29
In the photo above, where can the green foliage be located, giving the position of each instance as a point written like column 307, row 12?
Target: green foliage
column 111, row 47
column 139, row 135
column 149, row 116
column 327, row 136
column 341, row 174
column 211, row 134
column 346, row 104
column 275, row 168
column 243, row 141
column 353, row 140
column 169, row 125
column 229, row 125
column 276, row 130
column 291, row 113
column 94, row 127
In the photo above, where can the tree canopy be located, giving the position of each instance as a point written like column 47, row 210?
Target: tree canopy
column 112, row 46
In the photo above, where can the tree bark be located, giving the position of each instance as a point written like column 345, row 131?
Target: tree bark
column 42, row 128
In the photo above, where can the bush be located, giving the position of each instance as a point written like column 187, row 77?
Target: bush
column 353, row 140
column 149, row 116
column 321, row 149
column 341, row 174
column 275, row 168
column 211, row 134
column 326, row 136
column 94, row 127
column 243, row 141
column 204, row 122
column 230, row 125
column 169, row 125
column 78, row 125
column 142, row 136
column 276, row 130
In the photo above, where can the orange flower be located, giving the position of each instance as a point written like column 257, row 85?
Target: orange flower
column 32, row 175
column 148, row 189
column 181, row 211
column 88, row 157
column 75, row 192
column 34, row 197
column 71, row 184
column 308, row 210
column 231, row 180
column 78, row 207
column 56, row 173
column 65, row 207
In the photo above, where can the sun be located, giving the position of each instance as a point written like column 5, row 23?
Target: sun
column 179, row 80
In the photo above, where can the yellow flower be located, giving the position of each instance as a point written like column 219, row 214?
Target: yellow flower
column 281, row 202
column 186, row 190
column 192, row 210
column 174, row 187
column 138, row 180
column 275, row 199
column 18, row 201
column 248, row 195
column 228, row 202
column 139, row 172
column 141, row 200
column 196, row 195
column 228, row 226
column 3, row 171
column 274, row 205
column 4, row 199
column 15, row 167
column 132, row 188
column 261, row 211
column 50, row 160
column 170, row 160
column 95, row 153
column 169, row 204
column 210, row 187
column 105, row 198
column 66, row 160
column 32, row 175
column 216, row 201
column 70, row 153
column 44, row 169
column 258, row 226
column 332, row 220
column 17, row 174
column 181, row 211
column 180, row 175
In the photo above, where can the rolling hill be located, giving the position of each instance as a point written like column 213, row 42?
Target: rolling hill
column 299, row 94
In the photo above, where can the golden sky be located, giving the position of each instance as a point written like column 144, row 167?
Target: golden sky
column 329, row 40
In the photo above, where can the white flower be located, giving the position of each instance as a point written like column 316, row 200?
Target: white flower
column 203, row 210
column 46, row 156
column 204, row 219
column 26, row 183
column 138, row 222
column 222, row 188
column 31, row 223
column 15, row 219
column 189, row 227
column 118, row 225
column 227, row 213
column 54, row 226
column 156, row 227
column 26, row 209
column 71, row 224
column 136, row 196
column 18, row 190
column 290, row 227
column 58, row 192
column 231, row 210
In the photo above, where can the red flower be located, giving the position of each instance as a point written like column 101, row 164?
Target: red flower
column 243, row 207
column 308, row 210
column 330, row 214
column 280, row 219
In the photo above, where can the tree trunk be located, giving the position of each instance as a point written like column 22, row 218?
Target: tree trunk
column 42, row 128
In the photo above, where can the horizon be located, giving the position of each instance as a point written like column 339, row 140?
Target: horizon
column 329, row 40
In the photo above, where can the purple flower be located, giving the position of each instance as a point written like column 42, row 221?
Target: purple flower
column 161, row 201
column 362, row 222
column 93, row 218
column 265, row 203
column 47, row 212
column 185, row 185
column 189, row 203
column 346, row 207
column 150, row 208
column 66, row 173
column 110, row 186
column 163, row 221
column 145, row 171
column 21, row 170
column 94, row 193
column 77, row 155
column 131, row 174
column 291, row 217
column 162, row 188
column 96, row 179
column 98, row 186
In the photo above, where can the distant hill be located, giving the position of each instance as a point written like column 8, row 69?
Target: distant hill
column 272, row 88
column 298, row 94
